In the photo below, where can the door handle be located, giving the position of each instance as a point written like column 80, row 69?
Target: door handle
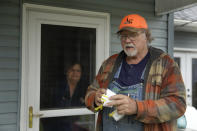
column 31, row 116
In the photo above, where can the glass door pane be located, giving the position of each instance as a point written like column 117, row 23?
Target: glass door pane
column 74, row 123
column 178, row 61
column 68, row 57
column 194, row 82
column 61, row 46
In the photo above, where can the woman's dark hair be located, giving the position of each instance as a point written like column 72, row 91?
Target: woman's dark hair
column 71, row 64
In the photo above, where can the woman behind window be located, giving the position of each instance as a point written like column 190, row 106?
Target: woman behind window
column 70, row 91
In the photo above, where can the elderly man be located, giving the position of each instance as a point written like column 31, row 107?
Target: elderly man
column 150, row 93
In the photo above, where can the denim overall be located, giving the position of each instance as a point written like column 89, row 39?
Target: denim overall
column 127, row 123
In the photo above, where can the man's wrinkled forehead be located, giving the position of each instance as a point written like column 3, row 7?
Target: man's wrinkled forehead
column 131, row 30
column 126, row 32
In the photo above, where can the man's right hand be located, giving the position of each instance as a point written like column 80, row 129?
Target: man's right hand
column 98, row 96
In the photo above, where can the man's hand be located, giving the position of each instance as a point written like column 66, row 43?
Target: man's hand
column 98, row 96
column 124, row 104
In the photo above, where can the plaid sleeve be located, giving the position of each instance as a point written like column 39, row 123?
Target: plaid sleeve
column 91, row 91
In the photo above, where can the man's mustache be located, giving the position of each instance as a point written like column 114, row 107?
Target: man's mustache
column 129, row 46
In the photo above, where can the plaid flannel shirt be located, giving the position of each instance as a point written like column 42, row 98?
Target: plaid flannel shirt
column 163, row 96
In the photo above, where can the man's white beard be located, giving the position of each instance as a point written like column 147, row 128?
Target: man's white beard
column 129, row 52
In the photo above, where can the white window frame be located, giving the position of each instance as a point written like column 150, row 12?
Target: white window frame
column 100, row 21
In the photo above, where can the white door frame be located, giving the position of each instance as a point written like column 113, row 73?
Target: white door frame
column 33, row 17
column 186, row 56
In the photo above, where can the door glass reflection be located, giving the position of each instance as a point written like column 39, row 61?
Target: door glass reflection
column 177, row 60
column 194, row 82
column 67, row 65
column 74, row 123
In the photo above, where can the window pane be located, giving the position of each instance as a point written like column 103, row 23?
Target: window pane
column 194, row 82
column 74, row 123
column 177, row 60
column 60, row 47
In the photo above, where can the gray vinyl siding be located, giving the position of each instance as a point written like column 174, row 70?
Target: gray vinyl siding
column 9, row 64
column 185, row 39
column 117, row 9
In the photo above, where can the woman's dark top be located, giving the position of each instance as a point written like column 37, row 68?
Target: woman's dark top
column 62, row 95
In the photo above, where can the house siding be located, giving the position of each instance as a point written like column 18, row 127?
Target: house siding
column 117, row 10
column 185, row 39
column 9, row 64
column 10, row 42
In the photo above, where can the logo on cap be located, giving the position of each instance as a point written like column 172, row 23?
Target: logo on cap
column 129, row 21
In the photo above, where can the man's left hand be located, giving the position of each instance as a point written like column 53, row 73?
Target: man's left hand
column 124, row 104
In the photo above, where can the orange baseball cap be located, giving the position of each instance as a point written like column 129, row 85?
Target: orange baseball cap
column 133, row 21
